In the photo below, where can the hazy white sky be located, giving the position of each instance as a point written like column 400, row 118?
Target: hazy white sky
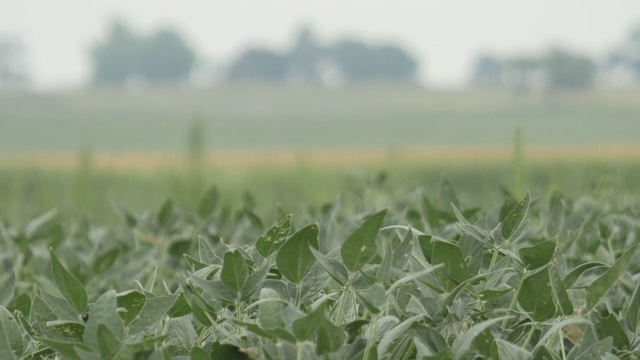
column 444, row 35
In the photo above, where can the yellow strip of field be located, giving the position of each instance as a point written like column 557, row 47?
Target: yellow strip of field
column 287, row 158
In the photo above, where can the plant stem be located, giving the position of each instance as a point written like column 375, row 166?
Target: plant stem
column 494, row 258
column 298, row 351
column 514, row 301
column 343, row 298
column 238, row 314
column 407, row 356
column 298, row 295
column 562, row 349
column 373, row 332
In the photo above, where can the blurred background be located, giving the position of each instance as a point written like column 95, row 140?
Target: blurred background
column 277, row 102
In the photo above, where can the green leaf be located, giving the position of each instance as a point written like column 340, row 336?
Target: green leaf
column 255, row 280
column 428, row 337
column 105, row 260
column 21, row 303
column 600, row 286
column 573, row 321
column 402, row 253
column 354, row 328
column 70, row 330
column 473, row 250
column 108, row 343
column 226, row 352
column 39, row 223
column 445, row 354
column 383, row 274
column 273, row 239
column 426, row 246
column 536, row 296
column 206, row 254
column 7, row 288
column 508, row 204
column 560, row 293
column 133, row 301
column 610, row 326
column 483, row 342
column 182, row 332
column 59, row 306
column 507, row 350
column 542, row 353
column 69, row 286
column 373, row 298
column 103, row 312
column 66, row 349
column 270, row 309
column 514, row 219
column 462, row 343
column 454, row 270
column 538, row 255
column 11, row 343
column 446, row 194
column 180, row 307
column 595, row 351
column 397, row 331
column 198, row 353
column 360, row 247
column 294, row 259
column 208, row 202
column 632, row 313
column 334, row 268
column 154, row 310
column 165, row 213
column 194, row 263
column 216, row 289
column 329, row 337
column 234, row 270
column 570, row 279
column 307, row 326
column 430, row 213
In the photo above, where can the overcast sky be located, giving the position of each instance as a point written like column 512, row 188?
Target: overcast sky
column 444, row 35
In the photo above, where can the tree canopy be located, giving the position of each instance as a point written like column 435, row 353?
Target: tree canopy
column 162, row 57
column 13, row 70
column 308, row 61
column 556, row 69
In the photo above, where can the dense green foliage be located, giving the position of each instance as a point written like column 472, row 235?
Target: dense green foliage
column 419, row 275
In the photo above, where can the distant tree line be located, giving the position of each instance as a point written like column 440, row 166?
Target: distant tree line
column 162, row 57
column 308, row 61
column 165, row 57
column 555, row 69
column 559, row 69
column 13, row 71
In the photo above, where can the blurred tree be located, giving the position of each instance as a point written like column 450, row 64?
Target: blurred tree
column 627, row 56
column 118, row 57
column 556, row 69
column 304, row 60
column 358, row 62
column 258, row 65
column 13, row 70
column 163, row 57
column 566, row 70
column 307, row 61
column 166, row 58
column 524, row 74
column 487, row 71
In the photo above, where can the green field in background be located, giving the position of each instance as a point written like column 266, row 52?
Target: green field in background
column 254, row 117
column 90, row 193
